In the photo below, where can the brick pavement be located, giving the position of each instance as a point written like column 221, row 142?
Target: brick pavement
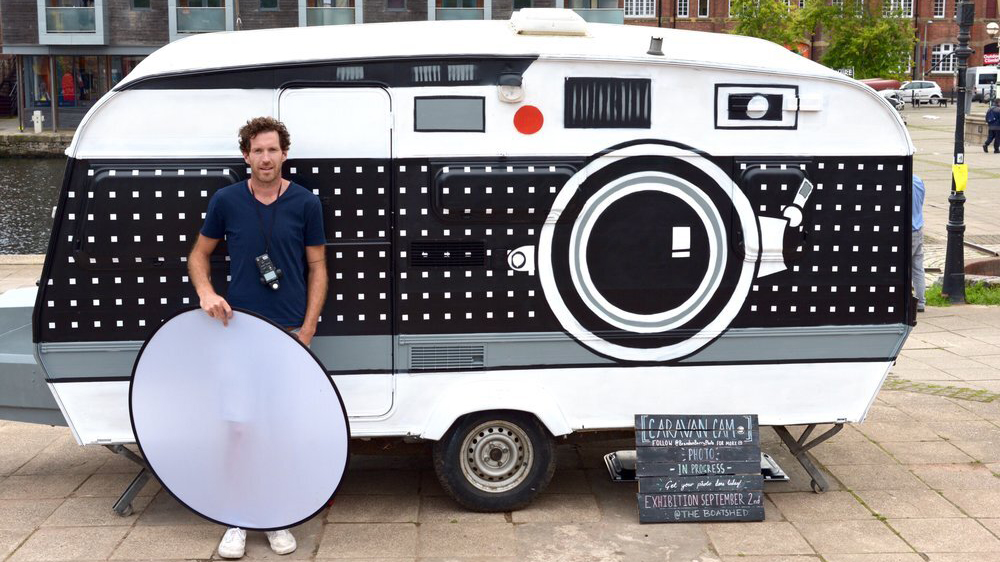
column 918, row 481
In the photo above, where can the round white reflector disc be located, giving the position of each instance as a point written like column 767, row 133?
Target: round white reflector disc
column 240, row 423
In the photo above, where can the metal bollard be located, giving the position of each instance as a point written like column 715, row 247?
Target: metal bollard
column 37, row 118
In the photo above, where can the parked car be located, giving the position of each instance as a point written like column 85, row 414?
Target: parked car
column 924, row 91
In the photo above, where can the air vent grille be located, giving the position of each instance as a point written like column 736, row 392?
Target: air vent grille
column 461, row 72
column 607, row 103
column 350, row 73
column 431, row 253
column 427, row 73
column 447, row 357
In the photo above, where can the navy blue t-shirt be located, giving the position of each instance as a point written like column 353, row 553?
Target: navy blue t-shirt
column 297, row 222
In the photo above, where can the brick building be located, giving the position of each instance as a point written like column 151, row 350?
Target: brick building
column 933, row 20
column 68, row 53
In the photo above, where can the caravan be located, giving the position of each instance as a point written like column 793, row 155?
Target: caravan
column 534, row 228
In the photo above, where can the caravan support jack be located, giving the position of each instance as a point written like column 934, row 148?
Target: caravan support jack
column 123, row 507
column 800, row 447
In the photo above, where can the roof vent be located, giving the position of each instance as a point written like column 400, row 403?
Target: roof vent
column 547, row 21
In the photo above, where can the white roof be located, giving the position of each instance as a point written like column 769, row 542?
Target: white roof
column 460, row 38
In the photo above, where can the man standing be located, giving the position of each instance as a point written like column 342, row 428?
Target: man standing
column 269, row 224
column 917, row 243
column 993, row 122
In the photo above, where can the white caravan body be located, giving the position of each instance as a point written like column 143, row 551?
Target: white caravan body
column 554, row 223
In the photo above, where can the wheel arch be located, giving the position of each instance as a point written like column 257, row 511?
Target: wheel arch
column 481, row 396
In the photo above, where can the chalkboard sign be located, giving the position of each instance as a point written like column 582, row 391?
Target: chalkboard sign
column 698, row 468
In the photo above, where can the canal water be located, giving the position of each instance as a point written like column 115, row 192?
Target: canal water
column 29, row 189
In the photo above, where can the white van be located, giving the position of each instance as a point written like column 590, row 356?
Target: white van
column 534, row 227
column 982, row 81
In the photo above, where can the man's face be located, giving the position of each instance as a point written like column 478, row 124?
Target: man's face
column 265, row 157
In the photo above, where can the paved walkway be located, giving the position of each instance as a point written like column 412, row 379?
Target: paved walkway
column 918, row 481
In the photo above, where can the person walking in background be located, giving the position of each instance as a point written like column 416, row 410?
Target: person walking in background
column 993, row 121
column 917, row 241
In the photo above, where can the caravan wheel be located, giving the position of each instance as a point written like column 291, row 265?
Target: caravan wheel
column 495, row 461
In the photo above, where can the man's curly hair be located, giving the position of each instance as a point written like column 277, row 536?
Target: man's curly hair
column 259, row 125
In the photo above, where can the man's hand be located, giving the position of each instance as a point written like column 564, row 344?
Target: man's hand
column 217, row 307
column 305, row 335
column 198, row 269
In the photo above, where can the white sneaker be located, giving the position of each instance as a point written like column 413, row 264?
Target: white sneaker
column 233, row 543
column 282, row 542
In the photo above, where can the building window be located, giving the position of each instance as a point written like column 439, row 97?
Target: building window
column 518, row 4
column 902, row 8
column 67, row 16
column 939, row 8
column 329, row 12
column 459, row 5
column 637, row 8
column 943, row 58
column 121, row 66
column 140, row 4
column 682, row 8
column 702, row 8
column 268, row 5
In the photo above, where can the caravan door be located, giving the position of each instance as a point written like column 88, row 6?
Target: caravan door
column 341, row 151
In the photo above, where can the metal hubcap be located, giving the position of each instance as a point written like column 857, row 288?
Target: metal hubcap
column 496, row 456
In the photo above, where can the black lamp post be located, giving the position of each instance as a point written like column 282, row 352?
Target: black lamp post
column 954, row 263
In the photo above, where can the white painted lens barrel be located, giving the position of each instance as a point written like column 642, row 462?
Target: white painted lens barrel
column 240, row 423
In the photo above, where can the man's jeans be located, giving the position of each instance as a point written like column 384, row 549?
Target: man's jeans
column 919, row 283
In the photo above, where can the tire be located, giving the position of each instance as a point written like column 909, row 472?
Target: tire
column 495, row 461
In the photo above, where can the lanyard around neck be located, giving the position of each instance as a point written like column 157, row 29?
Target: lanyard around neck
column 260, row 218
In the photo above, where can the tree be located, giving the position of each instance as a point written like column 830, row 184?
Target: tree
column 872, row 41
column 773, row 20
column 876, row 43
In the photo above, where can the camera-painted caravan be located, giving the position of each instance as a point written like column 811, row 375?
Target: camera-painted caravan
column 533, row 227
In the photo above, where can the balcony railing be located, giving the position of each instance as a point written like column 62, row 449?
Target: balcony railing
column 329, row 16
column 458, row 13
column 71, row 20
column 200, row 20
column 602, row 15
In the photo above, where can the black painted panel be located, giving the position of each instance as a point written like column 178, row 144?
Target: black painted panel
column 854, row 252
column 402, row 204
column 396, row 73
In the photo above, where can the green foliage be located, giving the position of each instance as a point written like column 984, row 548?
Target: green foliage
column 874, row 44
column 935, row 298
column 773, row 20
column 978, row 293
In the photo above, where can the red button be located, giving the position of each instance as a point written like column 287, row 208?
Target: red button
column 528, row 120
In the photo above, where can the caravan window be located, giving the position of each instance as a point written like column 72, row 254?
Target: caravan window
column 449, row 114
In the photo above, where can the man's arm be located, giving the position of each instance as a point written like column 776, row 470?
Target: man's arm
column 199, row 270
column 315, row 291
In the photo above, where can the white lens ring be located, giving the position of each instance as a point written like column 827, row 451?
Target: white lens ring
column 747, row 225
column 631, row 184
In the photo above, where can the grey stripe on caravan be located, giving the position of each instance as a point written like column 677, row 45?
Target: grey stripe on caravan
column 344, row 353
column 115, row 359
column 791, row 344
column 736, row 345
